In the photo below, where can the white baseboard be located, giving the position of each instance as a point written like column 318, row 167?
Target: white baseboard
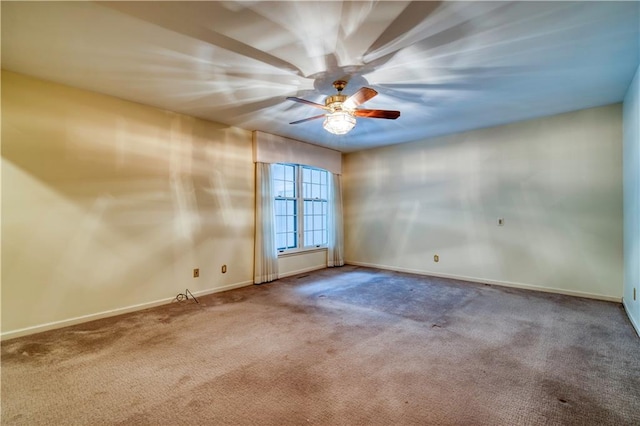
column 113, row 312
column 633, row 320
column 301, row 271
column 86, row 318
column 492, row 282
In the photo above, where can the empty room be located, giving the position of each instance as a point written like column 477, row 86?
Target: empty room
column 320, row 212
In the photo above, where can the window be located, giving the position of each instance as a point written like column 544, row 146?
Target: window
column 301, row 206
column 286, row 205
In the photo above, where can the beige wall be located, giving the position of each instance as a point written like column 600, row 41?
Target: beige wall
column 297, row 263
column 108, row 205
column 631, row 167
column 556, row 181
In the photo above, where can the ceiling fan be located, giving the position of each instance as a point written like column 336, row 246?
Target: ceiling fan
column 342, row 109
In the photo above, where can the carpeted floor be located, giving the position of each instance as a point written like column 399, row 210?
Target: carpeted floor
column 343, row 346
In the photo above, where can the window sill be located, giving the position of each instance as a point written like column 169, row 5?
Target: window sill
column 298, row 252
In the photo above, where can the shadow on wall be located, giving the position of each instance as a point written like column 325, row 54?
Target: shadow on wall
column 556, row 181
column 110, row 204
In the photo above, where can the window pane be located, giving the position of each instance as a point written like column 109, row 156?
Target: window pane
column 318, row 222
column 281, row 241
column 291, row 207
column 278, row 171
column 291, row 240
column 281, row 223
column 317, row 237
column 291, row 224
column 323, row 192
column 278, row 188
column 280, row 207
column 319, row 207
column 315, row 191
column 306, row 174
column 308, row 238
column 315, row 176
column 288, row 173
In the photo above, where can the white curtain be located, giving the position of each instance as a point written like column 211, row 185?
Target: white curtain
column 335, row 256
column 265, row 253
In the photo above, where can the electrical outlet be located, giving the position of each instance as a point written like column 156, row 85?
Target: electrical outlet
column 224, row 269
column 500, row 221
column 196, row 272
column 436, row 258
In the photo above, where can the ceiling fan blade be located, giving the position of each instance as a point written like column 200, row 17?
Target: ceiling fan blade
column 307, row 119
column 377, row 113
column 304, row 101
column 358, row 98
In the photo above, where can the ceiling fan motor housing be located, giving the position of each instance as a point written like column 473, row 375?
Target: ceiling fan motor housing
column 335, row 101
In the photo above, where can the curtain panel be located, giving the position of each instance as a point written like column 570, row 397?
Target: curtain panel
column 335, row 244
column 265, row 253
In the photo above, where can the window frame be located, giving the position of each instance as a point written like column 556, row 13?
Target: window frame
column 299, row 210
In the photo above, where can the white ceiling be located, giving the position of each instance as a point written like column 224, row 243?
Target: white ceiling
column 447, row 66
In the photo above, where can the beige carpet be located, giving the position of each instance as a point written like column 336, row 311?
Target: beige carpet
column 343, row 346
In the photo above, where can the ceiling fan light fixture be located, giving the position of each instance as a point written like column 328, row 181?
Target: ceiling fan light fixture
column 343, row 109
column 339, row 122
